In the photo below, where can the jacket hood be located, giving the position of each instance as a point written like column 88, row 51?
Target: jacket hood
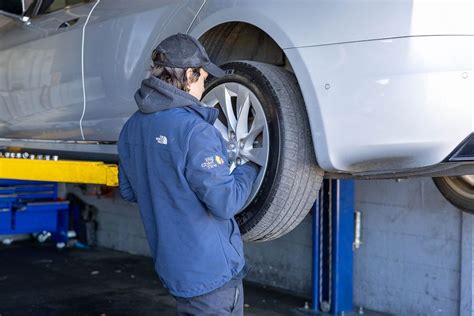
column 156, row 95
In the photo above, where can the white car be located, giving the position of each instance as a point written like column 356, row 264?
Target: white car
column 347, row 89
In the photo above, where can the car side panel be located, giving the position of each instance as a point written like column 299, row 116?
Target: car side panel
column 40, row 76
column 387, row 105
column 119, row 40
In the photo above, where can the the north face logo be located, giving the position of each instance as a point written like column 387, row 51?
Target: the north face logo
column 162, row 140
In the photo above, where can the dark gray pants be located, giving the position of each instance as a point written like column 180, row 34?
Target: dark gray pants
column 222, row 301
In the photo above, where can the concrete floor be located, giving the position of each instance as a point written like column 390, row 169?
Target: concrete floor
column 37, row 279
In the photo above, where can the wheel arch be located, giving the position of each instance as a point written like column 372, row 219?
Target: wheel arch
column 234, row 40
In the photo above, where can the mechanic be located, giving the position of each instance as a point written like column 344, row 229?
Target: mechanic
column 173, row 162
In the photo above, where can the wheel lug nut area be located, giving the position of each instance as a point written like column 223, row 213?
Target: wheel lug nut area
column 233, row 149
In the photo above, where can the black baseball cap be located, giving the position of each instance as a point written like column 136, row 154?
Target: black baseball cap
column 184, row 51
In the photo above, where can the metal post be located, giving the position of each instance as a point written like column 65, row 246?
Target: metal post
column 332, row 226
column 343, row 237
column 315, row 211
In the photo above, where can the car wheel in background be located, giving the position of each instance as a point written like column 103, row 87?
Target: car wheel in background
column 459, row 190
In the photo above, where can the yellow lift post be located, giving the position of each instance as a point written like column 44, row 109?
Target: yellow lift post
column 59, row 171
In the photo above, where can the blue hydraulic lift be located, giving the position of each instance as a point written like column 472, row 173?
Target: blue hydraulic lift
column 332, row 249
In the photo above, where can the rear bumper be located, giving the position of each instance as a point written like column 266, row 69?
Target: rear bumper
column 464, row 152
column 387, row 105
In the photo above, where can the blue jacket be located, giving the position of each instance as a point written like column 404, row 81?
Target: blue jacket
column 173, row 162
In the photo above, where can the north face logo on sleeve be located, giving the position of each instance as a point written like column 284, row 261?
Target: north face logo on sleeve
column 162, row 140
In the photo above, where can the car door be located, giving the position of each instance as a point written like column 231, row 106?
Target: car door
column 119, row 39
column 40, row 71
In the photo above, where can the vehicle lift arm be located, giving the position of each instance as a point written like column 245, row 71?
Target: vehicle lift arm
column 71, row 171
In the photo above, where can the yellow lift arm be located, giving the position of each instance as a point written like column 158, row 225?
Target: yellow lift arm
column 59, row 171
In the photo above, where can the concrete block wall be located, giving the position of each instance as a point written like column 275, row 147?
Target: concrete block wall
column 119, row 223
column 467, row 266
column 411, row 258
column 283, row 263
column 409, row 263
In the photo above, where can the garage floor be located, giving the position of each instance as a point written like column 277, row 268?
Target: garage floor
column 37, row 279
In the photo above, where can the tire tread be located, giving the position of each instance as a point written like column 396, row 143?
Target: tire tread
column 300, row 178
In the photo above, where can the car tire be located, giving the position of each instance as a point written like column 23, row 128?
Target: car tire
column 458, row 190
column 291, row 179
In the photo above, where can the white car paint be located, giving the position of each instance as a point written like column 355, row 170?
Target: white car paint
column 387, row 105
column 387, row 84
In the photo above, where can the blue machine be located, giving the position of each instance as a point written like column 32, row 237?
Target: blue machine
column 32, row 207
column 332, row 250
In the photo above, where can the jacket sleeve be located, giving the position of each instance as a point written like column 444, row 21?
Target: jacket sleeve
column 207, row 172
column 125, row 189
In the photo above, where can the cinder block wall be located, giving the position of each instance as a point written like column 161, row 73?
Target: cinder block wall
column 409, row 263
column 119, row 223
column 411, row 258
column 283, row 263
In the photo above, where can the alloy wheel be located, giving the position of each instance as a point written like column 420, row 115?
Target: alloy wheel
column 243, row 125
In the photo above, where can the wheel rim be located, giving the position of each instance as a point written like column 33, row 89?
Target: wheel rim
column 243, row 125
column 462, row 185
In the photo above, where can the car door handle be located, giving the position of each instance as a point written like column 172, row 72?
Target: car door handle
column 68, row 23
